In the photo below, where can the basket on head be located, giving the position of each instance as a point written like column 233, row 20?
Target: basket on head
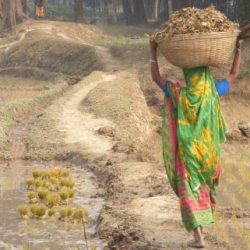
column 199, row 49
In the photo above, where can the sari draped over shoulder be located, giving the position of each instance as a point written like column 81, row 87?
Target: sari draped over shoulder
column 192, row 132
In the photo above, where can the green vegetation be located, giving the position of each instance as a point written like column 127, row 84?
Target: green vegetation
column 65, row 212
column 14, row 110
column 23, row 210
column 51, row 202
column 51, row 212
column 42, row 193
column 32, row 195
column 127, row 49
column 52, row 199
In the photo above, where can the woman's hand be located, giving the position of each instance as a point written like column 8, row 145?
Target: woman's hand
column 239, row 43
column 153, row 45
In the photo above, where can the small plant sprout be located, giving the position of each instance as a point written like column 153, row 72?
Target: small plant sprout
column 23, row 210
column 33, row 208
column 65, row 212
column 78, row 214
column 67, row 182
column 51, row 212
column 93, row 246
column 37, row 173
column 64, row 194
column 53, row 180
column 64, row 172
column 40, row 211
column 70, row 192
column 42, row 193
column 38, row 182
column 52, row 199
column 30, row 182
column 32, row 196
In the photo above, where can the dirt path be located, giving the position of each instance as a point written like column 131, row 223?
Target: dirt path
column 81, row 127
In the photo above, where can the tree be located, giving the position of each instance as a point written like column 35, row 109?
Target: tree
column 12, row 12
column 127, row 12
column 170, row 7
column 138, row 15
column 78, row 11
column 139, row 12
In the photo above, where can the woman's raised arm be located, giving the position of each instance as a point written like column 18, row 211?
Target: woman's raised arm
column 236, row 63
column 154, row 66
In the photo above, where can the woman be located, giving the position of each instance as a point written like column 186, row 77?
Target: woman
column 39, row 8
column 192, row 133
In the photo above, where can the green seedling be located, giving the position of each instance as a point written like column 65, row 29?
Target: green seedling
column 51, row 212
column 70, row 192
column 54, row 180
column 78, row 214
column 64, row 194
column 65, row 212
column 81, row 214
column 32, row 196
column 67, row 182
column 23, row 210
column 52, row 199
column 38, row 182
column 37, row 173
column 41, row 210
column 30, row 182
column 64, row 172
column 42, row 193
column 38, row 210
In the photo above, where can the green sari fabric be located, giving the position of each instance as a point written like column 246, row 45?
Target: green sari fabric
column 200, row 127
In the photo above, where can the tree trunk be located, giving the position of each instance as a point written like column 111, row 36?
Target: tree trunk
column 24, row 5
column 11, row 12
column 157, row 8
column 78, row 11
column 127, row 12
column 170, row 8
column 139, row 12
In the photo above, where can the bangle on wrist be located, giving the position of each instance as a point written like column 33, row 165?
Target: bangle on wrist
column 153, row 61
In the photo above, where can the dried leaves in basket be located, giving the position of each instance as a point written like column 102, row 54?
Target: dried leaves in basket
column 194, row 20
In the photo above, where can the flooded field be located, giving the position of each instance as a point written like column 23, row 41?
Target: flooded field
column 49, row 233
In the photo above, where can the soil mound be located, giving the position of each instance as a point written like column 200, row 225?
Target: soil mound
column 41, row 53
column 123, row 102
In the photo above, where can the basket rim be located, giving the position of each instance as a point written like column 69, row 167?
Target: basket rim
column 199, row 36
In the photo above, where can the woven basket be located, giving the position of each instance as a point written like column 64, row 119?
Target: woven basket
column 194, row 50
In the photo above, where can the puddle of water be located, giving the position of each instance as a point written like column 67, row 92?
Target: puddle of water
column 45, row 234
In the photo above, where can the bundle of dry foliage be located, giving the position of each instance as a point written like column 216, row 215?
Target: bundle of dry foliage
column 194, row 20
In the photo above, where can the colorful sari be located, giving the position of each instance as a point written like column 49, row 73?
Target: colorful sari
column 192, row 132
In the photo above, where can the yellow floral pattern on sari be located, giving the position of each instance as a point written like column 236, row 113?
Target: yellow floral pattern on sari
column 201, row 127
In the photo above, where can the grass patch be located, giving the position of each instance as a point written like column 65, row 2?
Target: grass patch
column 51, row 54
column 125, row 30
column 13, row 111
column 125, row 105
column 30, row 72
column 15, row 88
column 127, row 49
